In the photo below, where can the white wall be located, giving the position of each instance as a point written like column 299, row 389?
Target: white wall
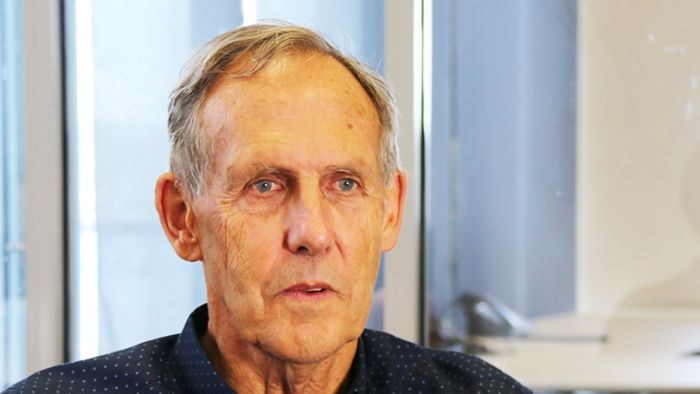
column 638, row 150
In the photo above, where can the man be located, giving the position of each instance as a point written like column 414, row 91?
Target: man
column 285, row 185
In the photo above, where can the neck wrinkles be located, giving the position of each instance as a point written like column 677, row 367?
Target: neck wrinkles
column 248, row 368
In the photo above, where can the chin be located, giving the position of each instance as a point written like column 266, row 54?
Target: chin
column 307, row 343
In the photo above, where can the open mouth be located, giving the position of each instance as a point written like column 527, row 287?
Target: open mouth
column 309, row 290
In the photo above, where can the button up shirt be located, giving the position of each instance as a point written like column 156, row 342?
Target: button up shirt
column 179, row 364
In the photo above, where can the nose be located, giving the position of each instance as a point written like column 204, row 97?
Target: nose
column 308, row 229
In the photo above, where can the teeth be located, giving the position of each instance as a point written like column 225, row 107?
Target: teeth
column 314, row 290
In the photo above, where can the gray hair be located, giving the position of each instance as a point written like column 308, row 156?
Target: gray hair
column 251, row 48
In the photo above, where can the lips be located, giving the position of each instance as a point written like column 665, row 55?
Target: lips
column 310, row 290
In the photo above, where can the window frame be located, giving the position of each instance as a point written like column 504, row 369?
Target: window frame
column 403, row 298
column 45, row 224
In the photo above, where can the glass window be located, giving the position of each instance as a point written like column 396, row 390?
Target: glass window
column 123, row 58
column 356, row 27
column 12, row 232
column 500, row 166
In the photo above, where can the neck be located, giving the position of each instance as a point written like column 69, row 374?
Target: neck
column 248, row 368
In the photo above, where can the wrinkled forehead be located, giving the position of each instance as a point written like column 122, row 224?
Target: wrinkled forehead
column 287, row 83
column 307, row 102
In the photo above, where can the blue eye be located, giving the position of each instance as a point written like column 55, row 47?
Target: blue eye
column 346, row 184
column 264, row 186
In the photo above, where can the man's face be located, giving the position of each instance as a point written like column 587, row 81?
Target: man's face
column 296, row 211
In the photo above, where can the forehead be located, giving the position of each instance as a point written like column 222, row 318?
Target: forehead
column 298, row 101
column 304, row 74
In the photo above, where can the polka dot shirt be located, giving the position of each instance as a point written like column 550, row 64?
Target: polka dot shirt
column 178, row 364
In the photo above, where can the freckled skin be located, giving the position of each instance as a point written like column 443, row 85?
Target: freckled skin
column 296, row 195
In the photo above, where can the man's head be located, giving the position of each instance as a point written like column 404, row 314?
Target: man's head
column 249, row 49
column 285, row 186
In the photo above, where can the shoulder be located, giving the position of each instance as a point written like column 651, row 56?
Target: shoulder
column 139, row 368
column 395, row 365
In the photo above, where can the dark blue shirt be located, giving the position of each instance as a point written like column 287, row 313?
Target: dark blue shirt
column 178, row 364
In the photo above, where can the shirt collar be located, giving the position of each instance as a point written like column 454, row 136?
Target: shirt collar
column 195, row 373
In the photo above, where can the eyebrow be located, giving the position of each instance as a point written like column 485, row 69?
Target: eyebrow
column 235, row 174
column 254, row 170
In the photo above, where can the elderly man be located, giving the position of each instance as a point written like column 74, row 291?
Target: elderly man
column 285, row 185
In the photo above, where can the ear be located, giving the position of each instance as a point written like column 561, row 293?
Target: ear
column 177, row 218
column 395, row 195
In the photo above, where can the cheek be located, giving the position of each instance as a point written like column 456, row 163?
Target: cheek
column 362, row 223
column 359, row 239
column 234, row 252
column 249, row 246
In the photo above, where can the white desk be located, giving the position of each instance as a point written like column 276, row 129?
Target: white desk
column 644, row 350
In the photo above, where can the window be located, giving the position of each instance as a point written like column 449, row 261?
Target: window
column 500, row 165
